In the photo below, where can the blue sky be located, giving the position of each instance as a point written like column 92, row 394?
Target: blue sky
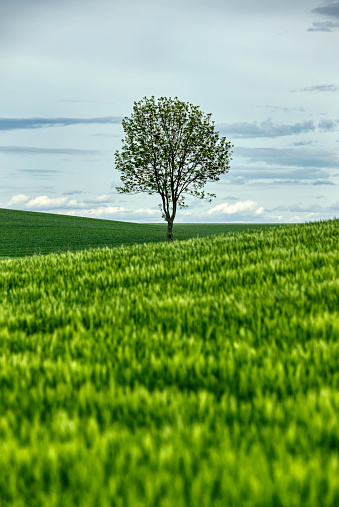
column 267, row 71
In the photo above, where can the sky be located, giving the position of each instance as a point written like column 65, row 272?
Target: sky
column 267, row 71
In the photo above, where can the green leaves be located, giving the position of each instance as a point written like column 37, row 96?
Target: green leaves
column 172, row 149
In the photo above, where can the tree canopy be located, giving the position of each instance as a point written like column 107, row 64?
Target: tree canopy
column 171, row 148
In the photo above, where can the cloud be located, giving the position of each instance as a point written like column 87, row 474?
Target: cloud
column 232, row 211
column 291, row 157
column 80, row 101
column 323, row 26
column 45, row 202
column 334, row 207
column 29, row 150
column 300, row 208
column 148, row 211
column 70, row 101
column 61, row 203
column 105, row 135
column 247, row 211
column 322, row 182
column 274, row 183
column 18, row 199
column 94, row 207
column 42, row 202
column 66, row 205
column 100, row 212
column 318, row 88
column 265, row 129
column 40, row 173
column 73, row 192
column 279, row 173
column 36, row 123
column 250, row 207
column 141, row 215
column 302, row 143
column 328, row 125
column 331, row 9
column 285, row 109
column 102, row 198
column 268, row 129
column 118, row 213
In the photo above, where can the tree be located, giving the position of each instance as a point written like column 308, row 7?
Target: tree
column 172, row 149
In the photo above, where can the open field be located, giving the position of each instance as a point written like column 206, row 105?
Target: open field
column 199, row 373
column 28, row 233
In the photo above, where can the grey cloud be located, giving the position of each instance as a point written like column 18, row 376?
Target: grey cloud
column 83, row 102
column 36, row 123
column 271, row 183
column 265, row 129
column 302, row 143
column 323, row 26
column 298, row 208
column 318, row 88
column 331, row 9
column 40, row 173
column 73, row 193
column 334, row 206
column 231, row 198
column 29, row 150
column 280, row 173
column 279, row 176
column 328, row 125
column 105, row 135
column 236, row 180
column 290, row 157
column 28, row 188
column 285, row 109
column 304, row 209
column 323, row 182
column 297, row 182
column 78, row 101
column 71, row 101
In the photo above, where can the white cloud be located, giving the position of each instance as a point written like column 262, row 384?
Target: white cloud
column 276, row 217
column 249, row 207
column 102, row 210
column 148, row 211
column 141, row 215
column 294, row 219
column 73, row 202
column 42, row 201
column 18, row 199
column 235, row 210
column 309, row 215
column 62, row 203
column 102, row 198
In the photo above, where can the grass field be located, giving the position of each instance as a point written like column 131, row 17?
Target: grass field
column 199, row 373
column 27, row 233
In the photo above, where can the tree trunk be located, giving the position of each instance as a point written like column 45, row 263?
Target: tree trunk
column 169, row 230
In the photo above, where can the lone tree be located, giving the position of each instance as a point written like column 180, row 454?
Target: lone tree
column 170, row 149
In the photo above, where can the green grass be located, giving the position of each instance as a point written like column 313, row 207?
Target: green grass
column 27, row 233
column 199, row 373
